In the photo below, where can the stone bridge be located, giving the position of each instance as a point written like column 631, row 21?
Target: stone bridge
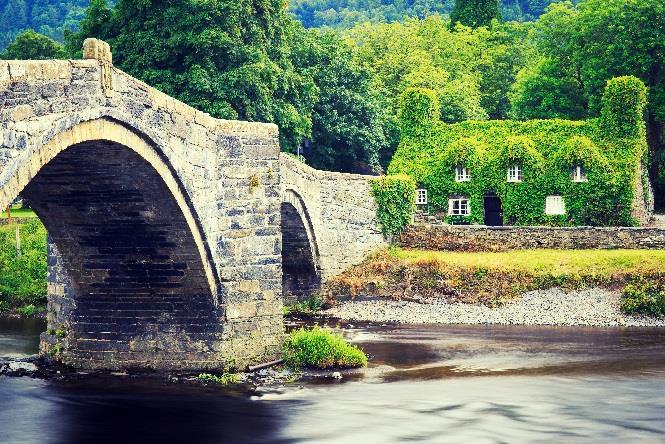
column 168, row 229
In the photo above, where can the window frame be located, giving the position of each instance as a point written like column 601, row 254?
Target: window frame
column 452, row 211
column 555, row 205
column 579, row 174
column 421, row 196
column 462, row 174
column 519, row 174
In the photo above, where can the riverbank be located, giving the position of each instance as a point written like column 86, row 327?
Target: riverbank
column 591, row 307
column 531, row 287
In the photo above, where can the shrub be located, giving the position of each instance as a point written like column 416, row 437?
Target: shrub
column 395, row 198
column 309, row 306
column 647, row 298
column 319, row 348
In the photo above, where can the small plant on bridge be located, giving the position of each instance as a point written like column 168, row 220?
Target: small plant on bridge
column 319, row 348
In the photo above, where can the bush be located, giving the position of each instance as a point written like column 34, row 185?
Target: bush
column 318, row 348
column 396, row 201
column 647, row 298
column 23, row 276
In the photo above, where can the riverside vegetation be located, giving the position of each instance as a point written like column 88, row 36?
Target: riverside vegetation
column 23, row 271
column 493, row 279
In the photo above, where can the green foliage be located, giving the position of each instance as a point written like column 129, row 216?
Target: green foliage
column 308, row 307
column 475, row 13
column 623, row 103
column 23, row 278
column 350, row 121
column 319, row 348
column 223, row 379
column 48, row 17
column 230, row 58
column 395, row 197
column 31, row 45
column 30, row 310
column 418, row 109
column 644, row 296
column 547, row 151
column 584, row 46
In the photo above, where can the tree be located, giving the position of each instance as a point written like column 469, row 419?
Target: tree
column 350, row 124
column 230, row 58
column 31, row 45
column 475, row 13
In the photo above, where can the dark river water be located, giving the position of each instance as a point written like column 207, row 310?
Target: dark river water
column 424, row 384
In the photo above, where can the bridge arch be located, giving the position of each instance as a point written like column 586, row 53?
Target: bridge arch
column 139, row 285
column 16, row 179
column 301, row 264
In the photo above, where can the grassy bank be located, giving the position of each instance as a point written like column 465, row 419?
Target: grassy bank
column 23, row 271
column 493, row 278
column 18, row 211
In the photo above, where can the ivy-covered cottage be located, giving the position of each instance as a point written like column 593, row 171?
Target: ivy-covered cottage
column 539, row 172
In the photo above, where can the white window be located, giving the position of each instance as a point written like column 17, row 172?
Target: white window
column 458, row 206
column 515, row 173
column 462, row 174
column 579, row 175
column 421, row 197
column 554, row 205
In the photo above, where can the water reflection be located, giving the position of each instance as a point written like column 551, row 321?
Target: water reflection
column 20, row 337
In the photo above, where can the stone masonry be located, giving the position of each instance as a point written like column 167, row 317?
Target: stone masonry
column 329, row 223
column 164, row 254
column 482, row 238
column 167, row 228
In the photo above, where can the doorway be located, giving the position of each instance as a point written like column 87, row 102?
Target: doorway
column 493, row 210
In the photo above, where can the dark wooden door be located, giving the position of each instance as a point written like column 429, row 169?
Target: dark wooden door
column 493, row 211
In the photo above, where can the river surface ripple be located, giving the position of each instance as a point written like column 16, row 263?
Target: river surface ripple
column 424, row 384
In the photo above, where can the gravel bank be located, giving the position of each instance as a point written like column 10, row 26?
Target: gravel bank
column 590, row 307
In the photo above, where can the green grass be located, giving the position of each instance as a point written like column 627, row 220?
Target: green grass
column 601, row 263
column 18, row 211
column 320, row 348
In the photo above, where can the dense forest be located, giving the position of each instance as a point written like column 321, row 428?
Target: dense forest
column 348, row 13
column 48, row 17
column 52, row 17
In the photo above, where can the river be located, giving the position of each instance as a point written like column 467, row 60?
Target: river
column 442, row 384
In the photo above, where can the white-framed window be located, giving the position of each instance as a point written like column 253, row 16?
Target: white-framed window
column 554, row 205
column 462, row 174
column 515, row 173
column 421, row 196
column 578, row 174
column 458, row 206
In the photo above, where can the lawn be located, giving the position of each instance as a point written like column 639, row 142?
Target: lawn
column 552, row 262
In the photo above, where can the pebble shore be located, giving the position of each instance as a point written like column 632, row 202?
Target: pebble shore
column 589, row 307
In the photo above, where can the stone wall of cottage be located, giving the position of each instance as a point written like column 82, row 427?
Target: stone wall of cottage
column 481, row 238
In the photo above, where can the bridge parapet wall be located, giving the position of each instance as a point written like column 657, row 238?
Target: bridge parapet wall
column 342, row 211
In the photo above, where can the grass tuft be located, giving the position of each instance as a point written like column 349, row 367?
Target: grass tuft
column 319, row 348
